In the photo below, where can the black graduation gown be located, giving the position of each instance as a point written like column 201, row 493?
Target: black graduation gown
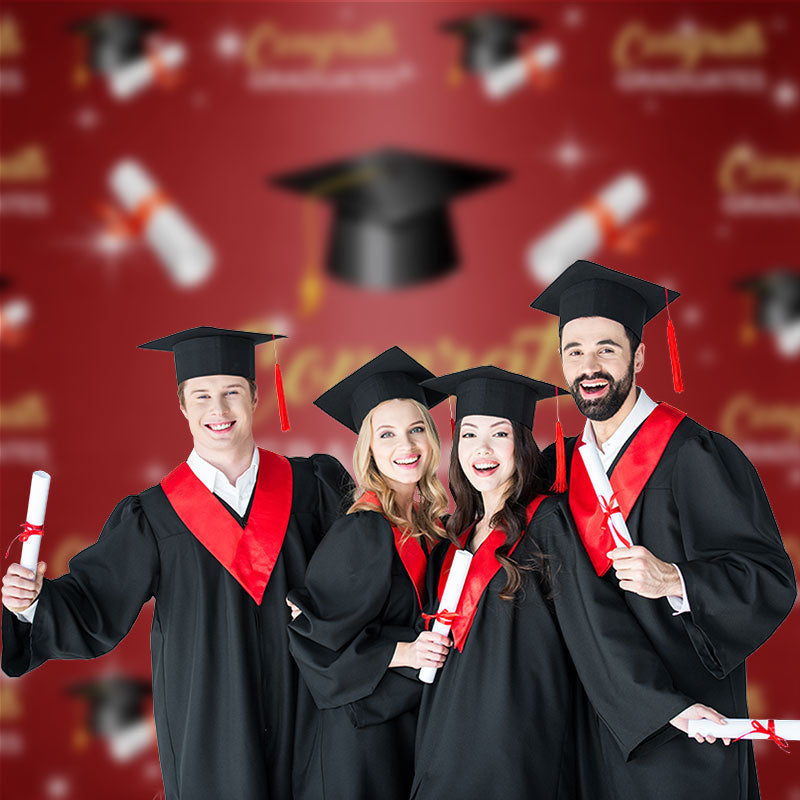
column 704, row 509
column 499, row 720
column 358, row 603
column 225, row 690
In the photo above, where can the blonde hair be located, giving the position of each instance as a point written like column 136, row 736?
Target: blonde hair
column 425, row 517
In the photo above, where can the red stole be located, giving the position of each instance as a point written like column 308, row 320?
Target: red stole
column 249, row 555
column 631, row 473
column 482, row 569
column 410, row 551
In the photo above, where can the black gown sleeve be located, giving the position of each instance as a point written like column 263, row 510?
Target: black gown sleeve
column 624, row 678
column 339, row 642
column 334, row 486
column 89, row 610
column 739, row 580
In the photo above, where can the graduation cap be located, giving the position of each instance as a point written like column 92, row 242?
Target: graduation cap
column 391, row 226
column 390, row 376
column 218, row 351
column 490, row 39
column 115, row 702
column 586, row 289
column 777, row 298
column 115, row 39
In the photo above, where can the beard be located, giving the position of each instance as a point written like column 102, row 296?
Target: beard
column 604, row 407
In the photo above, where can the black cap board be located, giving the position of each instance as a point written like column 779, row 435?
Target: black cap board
column 115, row 702
column 777, row 295
column 391, row 375
column 494, row 392
column 586, row 289
column 391, row 226
column 490, row 39
column 115, row 39
column 212, row 351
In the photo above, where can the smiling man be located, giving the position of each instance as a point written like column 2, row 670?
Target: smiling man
column 707, row 576
column 218, row 544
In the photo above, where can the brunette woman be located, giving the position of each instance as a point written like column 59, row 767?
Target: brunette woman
column 534, row 622
column 354, row 639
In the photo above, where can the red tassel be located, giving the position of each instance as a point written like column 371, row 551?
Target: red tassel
column 560, row 483
column 677, row 378
column 452, row 420
column 281, row 399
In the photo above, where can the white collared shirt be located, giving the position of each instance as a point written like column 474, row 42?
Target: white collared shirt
column 237, row 496
column 609, row 450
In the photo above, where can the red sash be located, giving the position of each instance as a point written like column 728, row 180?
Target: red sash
column 410, row 551
column 250, row 554
column 482, row 569
column 631, row 473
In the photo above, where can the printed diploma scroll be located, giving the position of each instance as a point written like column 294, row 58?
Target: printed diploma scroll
column 775, row 729
column 449, row 602
column 605, row 494
column 34, row 520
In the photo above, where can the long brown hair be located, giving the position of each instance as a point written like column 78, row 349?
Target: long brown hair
column 528, row 482
column 433, row 498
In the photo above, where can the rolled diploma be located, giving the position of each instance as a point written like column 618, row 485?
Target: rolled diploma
column 449, row 602
column 503, row 80
column 132, row 78
column 602, row 488
column 788, row 729
column 37, row 505
column 187, row 257
column 579, row 235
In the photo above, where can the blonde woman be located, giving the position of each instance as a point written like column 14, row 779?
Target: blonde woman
column 354, row 639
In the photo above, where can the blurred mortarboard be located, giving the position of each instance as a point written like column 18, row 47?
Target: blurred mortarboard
column 777, row 298
column 391, row 226
column 586, row 289
column 115, row 702
column 391, row 375
column 490, row 39
column 494, row 392
column 115, row 39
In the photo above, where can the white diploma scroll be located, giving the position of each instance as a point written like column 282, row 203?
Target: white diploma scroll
column 37, row 505
column 602, row 488
column 580, row 235
column 129, row 80
column 449, row 602
column 185, row 254
column 788, row 729
column 503, row 80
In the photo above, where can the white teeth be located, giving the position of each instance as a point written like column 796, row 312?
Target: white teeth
column 593, row 386
column 223, row 426
column 486, row 465
column 410, row 460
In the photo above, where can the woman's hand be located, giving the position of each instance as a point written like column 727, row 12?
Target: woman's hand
column 698, row 711
column 428, row 650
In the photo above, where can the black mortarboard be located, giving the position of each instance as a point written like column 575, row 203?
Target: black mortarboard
column 115, row 39
column 777, row 297
column 391, row 226
column 115, row 702
column 586, row 289
column 494, row 392
column 391, row 375
column 212, row 351
column 489, row 39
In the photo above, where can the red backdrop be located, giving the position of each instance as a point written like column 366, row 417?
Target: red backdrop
column 700, row 100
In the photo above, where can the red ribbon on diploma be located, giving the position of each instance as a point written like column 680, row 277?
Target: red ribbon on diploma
column 28, row 530
column 609, row 508
column 444, row 616
column 769, row 731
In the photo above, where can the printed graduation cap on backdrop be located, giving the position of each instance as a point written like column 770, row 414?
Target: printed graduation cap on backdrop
column 391, row 375
column 586, row 289
column 777, row 301
column 391, row 226
column 490, row 39
column 115, row 702
column 115, row 39
column 219, row 351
